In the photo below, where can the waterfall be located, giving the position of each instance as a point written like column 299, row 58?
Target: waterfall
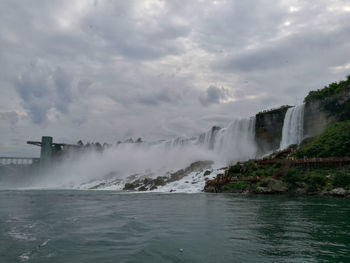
column 237, row 141
column 233, row 143
column 293, row 126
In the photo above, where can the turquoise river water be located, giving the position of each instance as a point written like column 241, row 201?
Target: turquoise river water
column 107, row 226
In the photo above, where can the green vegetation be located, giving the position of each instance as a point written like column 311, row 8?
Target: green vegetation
column 293, row 176
column 236, row 186
column 276, row 110
column 251, row 168
column 333, row 142
column 341, row 179
column 318, row 179
column 329, row 90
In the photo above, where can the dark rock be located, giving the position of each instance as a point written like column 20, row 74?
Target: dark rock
column 268, row 129
column 151, row 184
column 142, row 188
column 159, row 181
column 131, row 186
column 97, row 186
column 319, row 113
column 301, row 190
column 339, row 192
column 210, row 189
column 272, row 186
column 207, row 172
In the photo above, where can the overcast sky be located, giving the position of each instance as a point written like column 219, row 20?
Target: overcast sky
column 109, row 70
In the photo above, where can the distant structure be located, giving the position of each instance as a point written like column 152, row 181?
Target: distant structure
column 50, row 151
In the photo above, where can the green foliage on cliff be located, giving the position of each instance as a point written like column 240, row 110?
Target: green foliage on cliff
column 325, row 178
column 333, row 142
column 328, row 90
column 236, row 186
column 282, row 108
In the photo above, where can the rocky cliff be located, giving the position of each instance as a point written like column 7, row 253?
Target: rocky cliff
column 321, row 112
column 268, row 129
column 318, row 113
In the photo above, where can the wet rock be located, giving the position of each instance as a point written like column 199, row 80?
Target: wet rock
column 97, row 186
column 301, row 190
column 339, row 192
column 142, row 188
column 272, row 186
column 207, row 172
column 148, row 183
column 153, row 187
column 159, row 181
column 210, row 189
column 130, row 186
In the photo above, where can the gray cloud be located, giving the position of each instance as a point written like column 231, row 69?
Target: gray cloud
column 42, row 88
column 106, row 69
column 10, row 116
column 295, row 49
column 213, row 95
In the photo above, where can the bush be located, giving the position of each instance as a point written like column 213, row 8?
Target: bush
column 237, row 186
column 315, row 181
column 328, row 90
column 293, row 175
column 234, row 169
column 341, row 179
column 334, row 141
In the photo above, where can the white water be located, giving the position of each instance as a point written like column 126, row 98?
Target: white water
column 293, row 127
column 114, row 166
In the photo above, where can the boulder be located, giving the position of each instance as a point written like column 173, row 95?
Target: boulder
column 207, row 172
column 273, row 186
column 339, row 192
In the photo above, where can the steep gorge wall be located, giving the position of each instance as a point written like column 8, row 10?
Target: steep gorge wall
column 268, row 129
column 322, row 112
column 318, row 114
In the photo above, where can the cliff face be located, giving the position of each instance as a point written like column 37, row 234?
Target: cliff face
column 268, row 129
column 318, row 114
column 322, row 112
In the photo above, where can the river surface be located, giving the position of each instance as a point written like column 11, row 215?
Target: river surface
column 107, row 226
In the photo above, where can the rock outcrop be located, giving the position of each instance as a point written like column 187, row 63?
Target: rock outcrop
column 268, row 129
column 273, row 186
column 319, row 113
column 145, row 184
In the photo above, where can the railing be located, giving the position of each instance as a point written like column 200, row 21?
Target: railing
column 18, row 160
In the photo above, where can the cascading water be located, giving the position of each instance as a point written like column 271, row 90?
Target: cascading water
column 293, row 126
column 234, row 143
column 116, row 166
column 237, row 141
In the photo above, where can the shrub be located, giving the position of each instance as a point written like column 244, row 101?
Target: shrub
column 341, row 179
column 234, row 169
column 293, row 175
column 237, row 186
column 334, row 141
column 315, row 181
column 328, row 90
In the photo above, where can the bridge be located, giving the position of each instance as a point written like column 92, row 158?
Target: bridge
column 18, row 160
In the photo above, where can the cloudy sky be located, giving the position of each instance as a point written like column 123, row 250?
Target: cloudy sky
column 109, row 70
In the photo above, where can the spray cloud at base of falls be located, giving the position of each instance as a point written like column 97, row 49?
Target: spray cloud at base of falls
column 222, row 145
column 293, row 126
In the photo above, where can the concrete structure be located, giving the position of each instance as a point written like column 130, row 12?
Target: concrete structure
column 46, row 152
